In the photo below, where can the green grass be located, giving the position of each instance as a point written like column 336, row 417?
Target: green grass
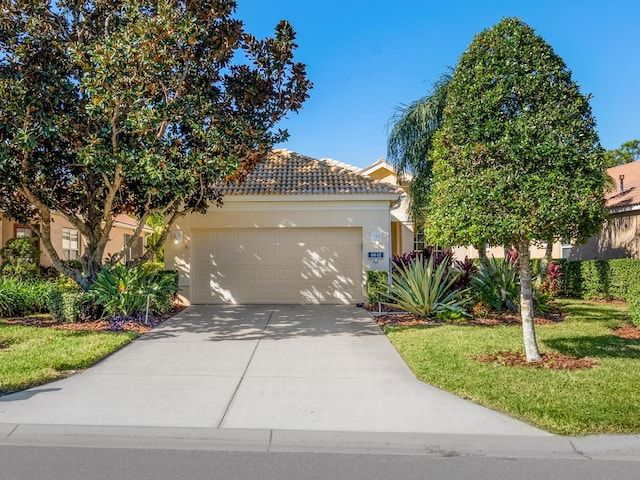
column 604, row 399
column 35, row 355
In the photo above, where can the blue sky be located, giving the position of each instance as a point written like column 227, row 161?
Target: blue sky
column 368, row 57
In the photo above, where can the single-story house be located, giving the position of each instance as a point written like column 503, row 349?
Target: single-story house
column 70, row 244
column 620, row 237
column 297, row 230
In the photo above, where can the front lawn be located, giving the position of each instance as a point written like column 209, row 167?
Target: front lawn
column 603, row 399
column 31, row 356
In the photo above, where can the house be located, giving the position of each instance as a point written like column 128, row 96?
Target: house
column 69, row 243
column 297, row 230
column 620, row 237
column 404, row 236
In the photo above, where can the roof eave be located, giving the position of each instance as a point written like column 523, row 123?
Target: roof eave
column 626, row 208
column 381, row 196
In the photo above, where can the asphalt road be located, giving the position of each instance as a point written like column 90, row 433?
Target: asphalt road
column 53, row 463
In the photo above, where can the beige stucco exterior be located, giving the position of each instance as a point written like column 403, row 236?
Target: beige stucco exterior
column 114, row 245
column 367, row 213
column 537, row 251
column 620, row 238
column 402, row 227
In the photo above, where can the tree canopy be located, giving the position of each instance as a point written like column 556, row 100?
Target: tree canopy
column 517, row 158
column 627, row 152
column 135, row 107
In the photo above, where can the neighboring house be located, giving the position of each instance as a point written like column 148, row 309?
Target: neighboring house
column 70, row 244
column 620, row 238
column 297, row 230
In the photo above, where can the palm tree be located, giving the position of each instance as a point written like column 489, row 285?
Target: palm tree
column 411, row 139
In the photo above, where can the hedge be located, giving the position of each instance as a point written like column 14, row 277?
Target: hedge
column 617, row 279
column 377, row 284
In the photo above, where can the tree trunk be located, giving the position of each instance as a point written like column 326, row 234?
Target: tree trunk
column 526, row 304
column 546, row 260
column 482, row 253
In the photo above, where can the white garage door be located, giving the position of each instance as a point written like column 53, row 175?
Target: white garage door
column 277, row 265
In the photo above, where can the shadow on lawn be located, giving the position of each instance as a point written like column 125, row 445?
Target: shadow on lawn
column 598, row 312
column 603, row 346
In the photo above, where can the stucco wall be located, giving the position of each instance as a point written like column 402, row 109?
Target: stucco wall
column 372, row 216
column 499, row 252
column 620, row 238
column 115, row 243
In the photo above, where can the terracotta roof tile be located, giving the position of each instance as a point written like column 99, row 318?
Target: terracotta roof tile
column 289, row 173
column 630, row 195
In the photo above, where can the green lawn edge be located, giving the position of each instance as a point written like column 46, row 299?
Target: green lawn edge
column 33, row 356
column 601, row 400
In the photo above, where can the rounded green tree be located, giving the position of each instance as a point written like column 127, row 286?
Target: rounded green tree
column 517, row 158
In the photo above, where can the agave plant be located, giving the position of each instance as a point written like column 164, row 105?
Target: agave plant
column 420, row 289
column 497, row 283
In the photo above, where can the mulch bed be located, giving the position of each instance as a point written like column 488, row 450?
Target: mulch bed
column 553, row 361
column 99, row 325
column 630, row 332
column 554, row 316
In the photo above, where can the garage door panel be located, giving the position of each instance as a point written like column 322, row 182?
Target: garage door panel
column 288, row 265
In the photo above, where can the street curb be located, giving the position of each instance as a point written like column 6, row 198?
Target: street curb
column 601, row 447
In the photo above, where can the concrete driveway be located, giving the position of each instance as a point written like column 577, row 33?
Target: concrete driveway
column 283, row 367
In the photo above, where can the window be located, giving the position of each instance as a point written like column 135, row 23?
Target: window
column 418, row 241
column 22, row 231
column 134, row 251
column 70, row 244
column 566, row 249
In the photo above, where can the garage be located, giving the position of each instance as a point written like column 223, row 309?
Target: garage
column 297, row 230
column 277, row 265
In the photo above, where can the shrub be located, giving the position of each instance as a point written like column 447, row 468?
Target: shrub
column 551, row 284
column 496, row 283
column 88, row 309
column 22, row 297
column 596, row 279
column 126, row 291
column 377, row 285
column 63, row 304
column 37, row 292
column 55, row 304
column 21, row 258
column 163, row 289
column 467, row 270
column 424, row 255
column 424, row 291
column 152, row 267
column 634, row 304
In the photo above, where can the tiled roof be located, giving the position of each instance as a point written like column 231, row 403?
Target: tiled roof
column 630, row 194
column 288, row 173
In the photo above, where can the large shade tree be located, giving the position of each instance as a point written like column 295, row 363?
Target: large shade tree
column 135, row 107
column 517, row 159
